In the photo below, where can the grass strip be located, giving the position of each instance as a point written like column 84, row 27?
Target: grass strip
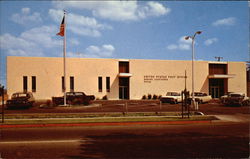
column 88, row 115
column 107, row 120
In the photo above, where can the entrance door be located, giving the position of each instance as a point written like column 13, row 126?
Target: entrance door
column 217, row 87
column 123, row 88
column 215, row 91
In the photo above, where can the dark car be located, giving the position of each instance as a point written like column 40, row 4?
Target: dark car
column 74, row 98
column 238, row 99
column 21, row 100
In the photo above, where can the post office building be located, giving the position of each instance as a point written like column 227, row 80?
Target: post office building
column 122, row 78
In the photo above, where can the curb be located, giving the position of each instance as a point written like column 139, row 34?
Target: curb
column 106, row 124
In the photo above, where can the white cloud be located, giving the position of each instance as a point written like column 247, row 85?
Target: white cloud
column 79, row 24
column 42, row 36
column 118, row 10
column 17, row 46
column 172, row 47
column 105, row 50
column 184, row 41
column 226, row 21
column 25, row 18
column 182, row 44
column 30, row 43
column 25, row 10
column 210, row 41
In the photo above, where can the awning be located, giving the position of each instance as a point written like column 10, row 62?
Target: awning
column 221, row 76
column 124, row 74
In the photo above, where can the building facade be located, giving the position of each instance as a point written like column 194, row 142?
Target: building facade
column 122, row 78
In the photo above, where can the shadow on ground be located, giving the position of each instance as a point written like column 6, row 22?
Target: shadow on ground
column 182, row 145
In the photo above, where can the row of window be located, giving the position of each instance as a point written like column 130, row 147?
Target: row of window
column 100, row 84
column 33, row 83
column 72, row 84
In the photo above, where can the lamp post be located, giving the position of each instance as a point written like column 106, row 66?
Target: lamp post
column 193, row 39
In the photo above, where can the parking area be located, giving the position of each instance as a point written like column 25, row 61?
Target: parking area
column 212, row 108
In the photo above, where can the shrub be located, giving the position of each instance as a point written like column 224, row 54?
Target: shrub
column 144, row 97
column 155, row 96
column 159, row 97
column 105, row 97
column 149, row 96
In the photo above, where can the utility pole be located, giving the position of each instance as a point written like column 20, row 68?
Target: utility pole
column 2, row 94
column 218, row 58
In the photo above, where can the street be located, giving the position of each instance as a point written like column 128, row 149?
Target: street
column 215, row 140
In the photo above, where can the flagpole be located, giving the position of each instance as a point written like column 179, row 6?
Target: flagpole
column 64, row 59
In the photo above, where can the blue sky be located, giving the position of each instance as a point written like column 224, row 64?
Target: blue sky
column 125, row 29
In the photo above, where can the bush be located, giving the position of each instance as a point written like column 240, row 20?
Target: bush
column 144, row 97
column 159, row 97
column 155, row 96
column 149, row 96
column 105, row 97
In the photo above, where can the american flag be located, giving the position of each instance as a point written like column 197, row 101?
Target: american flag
column 61, row 33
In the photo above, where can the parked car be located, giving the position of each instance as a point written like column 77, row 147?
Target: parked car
column 236, row 99
column 74, row 98
column 171, row 97
column 222, row 98
column 21, row 100
column 201, row 97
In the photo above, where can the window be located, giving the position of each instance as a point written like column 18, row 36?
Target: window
column 108, row 84
column 25, row 83
column 100, row 84
column 33, row 83
column 123, row 67
column 71, row 84
column 217, row 69
column 63, row 86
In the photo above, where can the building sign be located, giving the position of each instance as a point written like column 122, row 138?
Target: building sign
column 151, row 78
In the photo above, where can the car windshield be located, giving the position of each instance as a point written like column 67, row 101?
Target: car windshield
column 74, row 93
column 173, row 94
column 16, row 95
column 198, row 94
column 78, row 93
column 70, row 94
column 235, row 95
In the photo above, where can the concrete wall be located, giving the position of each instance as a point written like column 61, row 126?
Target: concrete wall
column 160, row 76
column 148, row 76
column 48, row 72
column 238, row 83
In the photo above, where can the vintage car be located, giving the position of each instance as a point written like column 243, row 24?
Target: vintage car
column 74, row 98
column 171, row 97
column 201, row 97
column 21, row 100
column 222, row 98
column 236, row 99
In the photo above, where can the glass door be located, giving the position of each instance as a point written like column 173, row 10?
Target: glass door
column 123, row 88
column 215, row 91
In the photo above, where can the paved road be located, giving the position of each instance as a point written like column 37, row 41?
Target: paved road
column 216, row 140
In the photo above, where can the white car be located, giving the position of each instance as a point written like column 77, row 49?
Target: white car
column 201, row 97
column 222, row 98
column 171, row 97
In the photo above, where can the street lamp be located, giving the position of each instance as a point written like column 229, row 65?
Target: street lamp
column 193, row 38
